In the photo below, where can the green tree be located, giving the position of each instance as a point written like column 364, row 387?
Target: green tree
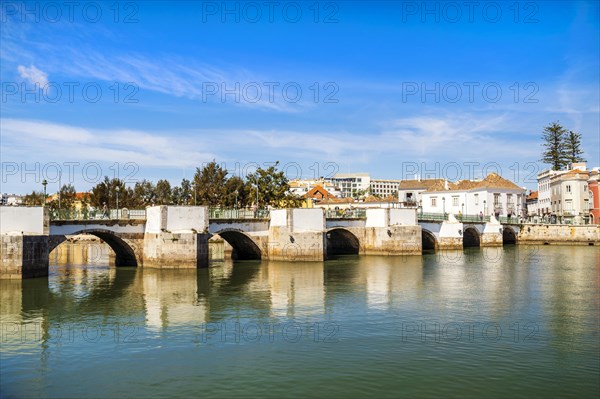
column 237, row 189
column 164, row 193
column 273, row 187
column 143, row 194
column 209, row 185
column 554, row 154
column 35, row 198
column 67, row 196
column 106, row 192
column 572, row 147
column 182, row 194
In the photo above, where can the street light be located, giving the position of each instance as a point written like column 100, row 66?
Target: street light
column 117, row 191
column 44, row 183
column 236, row 198
column 462, row 213
column 484, row 208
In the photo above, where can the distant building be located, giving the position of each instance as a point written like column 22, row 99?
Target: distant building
column 383, row 188
column 301, row 187
column 352, row 184
column 11, row 199
column 492, row 195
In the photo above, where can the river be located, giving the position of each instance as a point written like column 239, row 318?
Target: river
column 520, row 321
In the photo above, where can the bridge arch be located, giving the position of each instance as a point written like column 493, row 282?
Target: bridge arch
column 341, row 241
column 471, row 237
column 244, row 247
column 125, row 250
column 508, row 236
column 428, row 241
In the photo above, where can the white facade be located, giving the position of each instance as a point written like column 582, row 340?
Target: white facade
column 569, row 195
column 350, row 184
column 544, row 205
column 488, row 201
column 384, row 188
column 301, row 187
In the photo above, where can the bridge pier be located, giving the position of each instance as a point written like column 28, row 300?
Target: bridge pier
column 492, row 234
column 24, row 242
column 391, row 232
column 176, row 237
column 297, row 235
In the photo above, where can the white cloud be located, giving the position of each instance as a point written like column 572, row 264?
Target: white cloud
column 33, row 75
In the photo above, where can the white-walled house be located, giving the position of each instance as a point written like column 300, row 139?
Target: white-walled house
column 410, row 191
column 493, row 195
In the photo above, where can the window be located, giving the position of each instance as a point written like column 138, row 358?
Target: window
column 476, row 199
column 585, row 187
column 586, row 205
column 568, row 188
column 568, row 205
column 454, row 200
column 433, row 202
column 496, row 199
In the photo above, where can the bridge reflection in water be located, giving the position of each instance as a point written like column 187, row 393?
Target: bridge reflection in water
column 370, row 298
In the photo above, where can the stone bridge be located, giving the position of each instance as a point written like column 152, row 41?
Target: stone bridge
column 177, row 236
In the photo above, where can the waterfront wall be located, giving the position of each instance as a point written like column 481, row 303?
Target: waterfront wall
column 541, row 234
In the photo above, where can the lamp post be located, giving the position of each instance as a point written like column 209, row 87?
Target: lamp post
column 236, row 199
column 44, row 183
column 117, row 191
column 484, row 208
column 421, row 207
column 462, row 213
column 256, row 192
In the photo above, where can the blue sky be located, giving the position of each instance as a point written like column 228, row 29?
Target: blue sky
column 137, row 89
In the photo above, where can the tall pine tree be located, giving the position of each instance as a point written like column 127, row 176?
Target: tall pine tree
column 572, row 146
column 554, row 135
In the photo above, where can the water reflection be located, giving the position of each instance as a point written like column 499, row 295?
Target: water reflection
column 555, row 289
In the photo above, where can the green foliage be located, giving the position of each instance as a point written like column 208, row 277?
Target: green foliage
column 209, row 184
column 106, row 192
column 554, row 153
column 273, row 188
column 238, row 190
column 562, row 147
column 36, row 198
column 68, row 195
column 572, row 145
column 164, row 195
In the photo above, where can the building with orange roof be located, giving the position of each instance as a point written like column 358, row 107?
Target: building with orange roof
column 493, row 195
column 409, row 191
column 569, row 195
column 531, row 204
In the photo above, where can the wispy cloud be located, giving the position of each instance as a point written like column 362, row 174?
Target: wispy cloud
column 33, row 75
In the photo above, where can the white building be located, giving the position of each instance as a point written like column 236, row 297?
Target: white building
column 301, row 187
column 493, row 195
column 384, row 188
column 569, row 195
column 543, row 178
column 352, row 184
column 409, row 191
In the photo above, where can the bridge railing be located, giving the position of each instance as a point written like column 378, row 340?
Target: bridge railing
column 97, row 214
column 242, row 213
column 473, row 218
column 345, row 213
column 432, row 217
column 509, row 220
